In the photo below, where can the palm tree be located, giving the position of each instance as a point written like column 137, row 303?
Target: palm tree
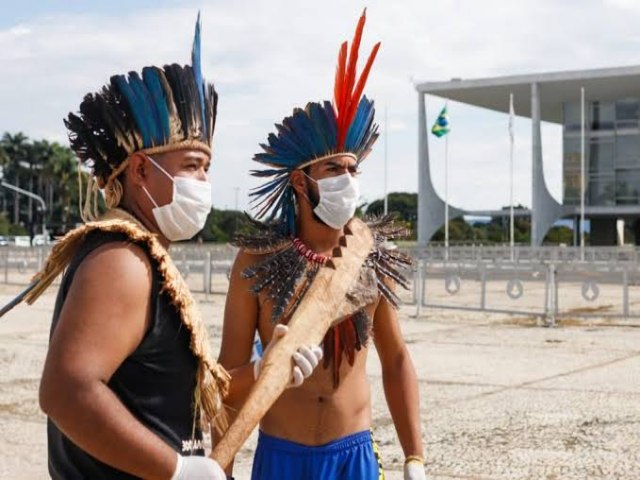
column 16, row 150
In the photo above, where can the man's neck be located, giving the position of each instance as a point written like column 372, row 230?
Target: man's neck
column 317, row 236
column 146, row 222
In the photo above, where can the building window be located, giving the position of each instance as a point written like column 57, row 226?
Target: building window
column 628, row 187
column 627, row 113
column 602, row 116
column 601, row 156
column 601, row 190
column 628, row 151
column 571, row 181
column 571, row 114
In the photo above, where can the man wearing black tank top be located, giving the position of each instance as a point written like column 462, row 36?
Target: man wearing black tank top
column 129, row 381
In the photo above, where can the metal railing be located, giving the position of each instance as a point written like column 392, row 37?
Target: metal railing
column 549, row 282
column 525, row 254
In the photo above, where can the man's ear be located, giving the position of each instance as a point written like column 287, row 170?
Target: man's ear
column 138, row 169
column 298, row 182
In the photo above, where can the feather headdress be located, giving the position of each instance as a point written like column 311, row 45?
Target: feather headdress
column 163, row 109
column 315, row 133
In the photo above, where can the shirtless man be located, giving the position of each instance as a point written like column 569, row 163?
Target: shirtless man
column 322, row 429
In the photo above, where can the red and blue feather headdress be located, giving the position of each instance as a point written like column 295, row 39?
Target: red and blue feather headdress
column 315, row 133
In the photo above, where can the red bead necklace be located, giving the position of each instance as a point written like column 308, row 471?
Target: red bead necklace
column 309, row 254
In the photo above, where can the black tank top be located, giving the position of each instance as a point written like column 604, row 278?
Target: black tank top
column 155, row 383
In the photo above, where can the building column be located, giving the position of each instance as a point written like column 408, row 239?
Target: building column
column 430, row 205
column 545, row 210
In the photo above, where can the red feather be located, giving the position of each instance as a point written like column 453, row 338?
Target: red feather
column 337, row 357
column 346, row 98
column 357, row 93
column 350, row 78
column 339, row 84
column 349, row 339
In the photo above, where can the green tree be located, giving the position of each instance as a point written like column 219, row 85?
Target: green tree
column 403, row 204
column 222, row 225
column 47, row 169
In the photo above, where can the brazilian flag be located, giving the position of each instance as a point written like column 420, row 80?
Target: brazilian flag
column 441, row 127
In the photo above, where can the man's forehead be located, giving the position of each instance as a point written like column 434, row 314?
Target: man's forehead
column 183, row 155
column 342, row 161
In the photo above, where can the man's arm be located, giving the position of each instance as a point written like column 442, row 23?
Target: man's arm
column 103, row 320
column 399, row 378
column 240, row 323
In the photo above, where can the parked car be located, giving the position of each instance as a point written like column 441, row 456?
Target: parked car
column 21, row 241
column 39, row 240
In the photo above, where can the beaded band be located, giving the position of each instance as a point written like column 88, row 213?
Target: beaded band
column 414, row 459
column 309, row 254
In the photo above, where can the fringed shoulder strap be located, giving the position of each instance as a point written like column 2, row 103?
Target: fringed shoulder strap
column 212, row 379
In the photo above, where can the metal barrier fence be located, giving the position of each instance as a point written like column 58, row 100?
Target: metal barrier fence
column 549, row 282
column 523, row 254
column 549, row 290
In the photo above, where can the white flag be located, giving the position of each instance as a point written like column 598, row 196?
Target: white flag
column 511, row 116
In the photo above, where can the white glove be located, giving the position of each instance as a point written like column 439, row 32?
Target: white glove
column 305, row 360
column 198, row 468
column 414, row 470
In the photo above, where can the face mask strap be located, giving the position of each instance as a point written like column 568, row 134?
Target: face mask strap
column 144, row 189
column 163, row 171
column 312, row 179
column 160, row 168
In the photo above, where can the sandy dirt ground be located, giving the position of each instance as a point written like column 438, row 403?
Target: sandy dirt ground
column 501, row 397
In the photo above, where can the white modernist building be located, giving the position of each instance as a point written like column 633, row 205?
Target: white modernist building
column 612, row 146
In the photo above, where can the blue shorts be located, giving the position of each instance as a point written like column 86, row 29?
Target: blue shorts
column 351, row 457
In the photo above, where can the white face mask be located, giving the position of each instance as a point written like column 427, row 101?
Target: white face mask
column 338, row 199
column 187, row 213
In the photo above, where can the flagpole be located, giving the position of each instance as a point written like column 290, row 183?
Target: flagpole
column 386, row 142
column 446, row 192
column 582, row 182
column 511, row 213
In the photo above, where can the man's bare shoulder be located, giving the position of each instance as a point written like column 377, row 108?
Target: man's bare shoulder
column 115, row 266
column 246, row 258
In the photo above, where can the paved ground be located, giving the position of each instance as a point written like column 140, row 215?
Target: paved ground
column 501, row 398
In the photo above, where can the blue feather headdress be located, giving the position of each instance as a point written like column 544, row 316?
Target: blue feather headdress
column 315, row 133
column 164, row 109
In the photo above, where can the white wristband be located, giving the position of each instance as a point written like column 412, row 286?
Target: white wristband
column 198, row 468
column 176, row 472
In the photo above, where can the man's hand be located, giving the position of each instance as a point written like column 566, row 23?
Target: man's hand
column 198, row 468
column 414, row 470
column 305, row 360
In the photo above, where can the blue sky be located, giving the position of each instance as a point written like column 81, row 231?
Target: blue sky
column 23, row 11
column 268, row 56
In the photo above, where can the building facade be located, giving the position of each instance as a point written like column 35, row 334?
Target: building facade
column 612, row 146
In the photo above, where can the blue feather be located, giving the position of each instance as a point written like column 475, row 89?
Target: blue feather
column 136, row 107
column 360, row 125
column 332, row 124
column 286, row 144
column 321, row 127
column 269, row 172
column 146, row 104
column 196, row 64
column 150, row 75
column 305, row 126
